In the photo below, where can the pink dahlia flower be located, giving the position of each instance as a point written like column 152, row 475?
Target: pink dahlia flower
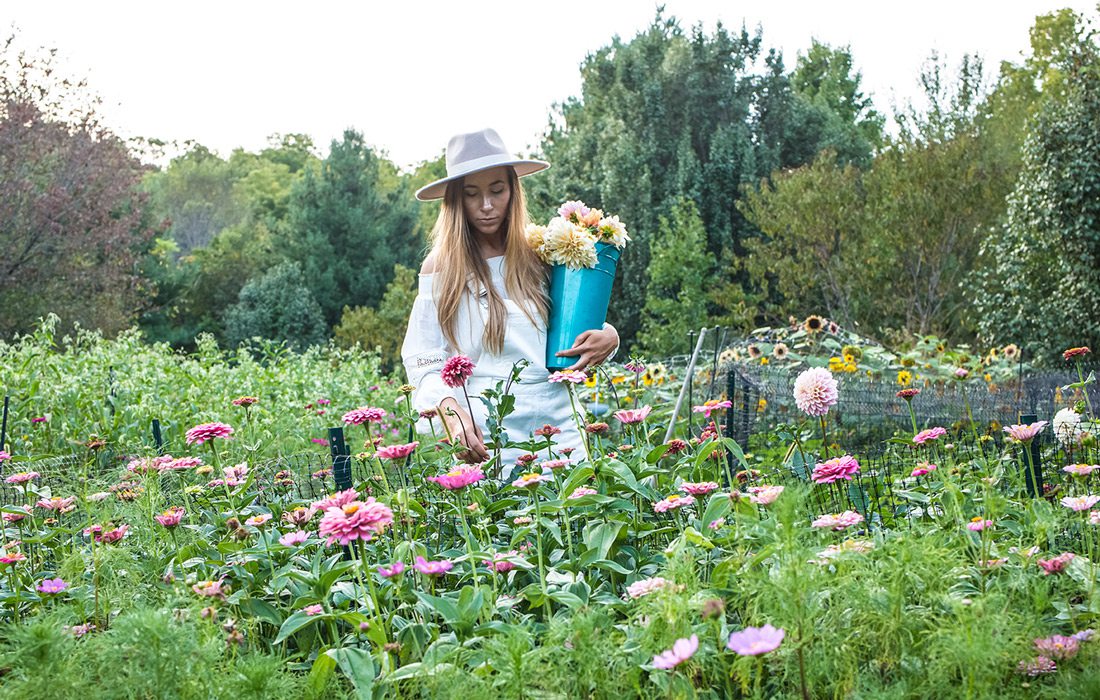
column 815, row 390
column 673, row 502
column 51, row 586
column 753, row 641
column 364, row 414
column 681, row 651
column 571, row 208
column 835, row 469
column 208, row 431
column 336, row 500
column 456, row 370
column 1025, row 433
column 396, row 451
column 432, row 568
column 928, row 435
column 293, row 539
column 358, row 520
column 459, row 478
column 698, row 488
column 711, row 406
column 629, row 416
column 171, row 517
column 22, row 477
column 764, row 495
column 1056, row 565
column 1080, row 503
column 572, row 376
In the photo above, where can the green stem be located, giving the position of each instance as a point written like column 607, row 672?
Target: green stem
column 538, row 541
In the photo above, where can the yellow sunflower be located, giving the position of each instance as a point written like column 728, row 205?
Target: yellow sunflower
column 905, row 377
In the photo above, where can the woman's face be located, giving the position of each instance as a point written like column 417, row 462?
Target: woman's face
column 485, row 198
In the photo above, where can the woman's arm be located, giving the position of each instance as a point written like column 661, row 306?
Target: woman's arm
column 593, row 347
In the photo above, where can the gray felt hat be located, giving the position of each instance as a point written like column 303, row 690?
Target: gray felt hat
column 478, row 150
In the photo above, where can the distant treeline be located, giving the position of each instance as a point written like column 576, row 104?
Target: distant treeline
column 753, row 193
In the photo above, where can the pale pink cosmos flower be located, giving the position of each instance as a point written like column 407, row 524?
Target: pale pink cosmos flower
column 838, row 522
column 929, row 435
column 396, row 451
column 530, row 480
column 1080, row 503
column 835, row 469
column 293, row 539
column 1055, row 565
column 1058, row 647
column 336, row 500
column 22, row 477
column 456, row 370
column 1081, row 469
column 681, row 651
column 364, row 414
column 753, row 641
column 698, row 488
column 432, row 568
column 1025, row 433
column 711, row 406
column 358, row 520
column 764, row 495
column 258, row 520
column 630, row 416
column 978, row 524
column 582, row 491
column 311, row 610
column 51, row 586
column 673, row 502
column 208, row 431
column 171, row 517
column 815, row 391
column 647, row 586
column 395, row 569
column 571, row 376
column 460, row 477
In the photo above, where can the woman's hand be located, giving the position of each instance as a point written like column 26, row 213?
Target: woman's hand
column 593, row 347
column 463, row 431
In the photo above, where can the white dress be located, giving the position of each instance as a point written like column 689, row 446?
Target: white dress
column 538, row 402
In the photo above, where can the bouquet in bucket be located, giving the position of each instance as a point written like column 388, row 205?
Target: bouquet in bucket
column 582, row 246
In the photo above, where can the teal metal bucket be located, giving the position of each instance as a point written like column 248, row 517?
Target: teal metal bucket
column 578, row 303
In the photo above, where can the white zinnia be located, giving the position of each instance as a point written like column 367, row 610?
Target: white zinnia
column 1067, row 424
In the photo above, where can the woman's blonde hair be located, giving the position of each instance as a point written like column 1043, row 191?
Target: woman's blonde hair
column 460, row 268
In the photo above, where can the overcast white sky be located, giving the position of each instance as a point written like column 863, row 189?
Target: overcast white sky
column 409, row 74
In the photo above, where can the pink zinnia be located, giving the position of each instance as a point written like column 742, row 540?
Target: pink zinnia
column 57, row 503
column 582, row 491
column 835, row 469
column 572, row 376
column 500, row 563
column 460, row 477
column 681, row 651
column 673, row 502
column 1025, row 433
column 432, row 568
column 698, row 488
column 1081, row 469
column 293, row 539
column 51, row 586
column 171, row 517
column 629, row 416
column 364, row 414
column 815, row 390
column 555, row 464
column 1080, row 503
column 979, row 524
column 235, row 475
column 1075, row 352
column 311, row 610
column 16, row 517
column 245, row 401
column 929, row 434
column 709, row 407
column 22, row 477
column 530, row 480
column 258, row 520
column 753, row 641
column 456, row 370
column 924, row 468
column 209, row 589
column 647, row 586
column 395, row 569
column 396, row 451
column 962, row 373
column 4, row 456
column 838, row 522
column 764, row 495
column 111, row 536
column 1056, row 565
column 336, row 500
column 207, row 431
column 358, row 520
column 1058, row 646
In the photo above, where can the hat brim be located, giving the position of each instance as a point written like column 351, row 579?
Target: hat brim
column 438, row 189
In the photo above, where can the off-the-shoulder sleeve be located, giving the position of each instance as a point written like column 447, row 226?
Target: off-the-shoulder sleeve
column 425, row 350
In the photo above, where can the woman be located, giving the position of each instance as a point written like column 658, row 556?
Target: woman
column 483, row 294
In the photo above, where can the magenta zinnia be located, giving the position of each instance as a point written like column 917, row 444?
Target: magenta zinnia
column 629, row 416
column 171, row 517
column 835, row 469
column 432, row 568
column 208, row 431
column 815, row 391
column 1055, row 565
column 459, row 477
column 336, row 500
column 396, row 451
column 709, row 407
column 698, row 488
column 364, row 414
column 395, row 569
column 358, row 520
column 928, row 435
column 1025, row 433
column 456, row 370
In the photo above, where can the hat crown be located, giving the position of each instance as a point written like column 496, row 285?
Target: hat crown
column 474, row 147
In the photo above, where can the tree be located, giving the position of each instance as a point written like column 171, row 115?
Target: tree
column 72, row 220
column 349, row 224
column 277, row 306
column 195, row 195
column 1042, row 288
column 680, row 270
column 382, row 329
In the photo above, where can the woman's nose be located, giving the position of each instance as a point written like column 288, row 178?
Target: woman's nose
column 487, row 203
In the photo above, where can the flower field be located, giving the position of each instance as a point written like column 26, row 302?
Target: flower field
column 240, row 560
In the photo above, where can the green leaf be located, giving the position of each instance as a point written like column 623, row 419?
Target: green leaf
column 294, row 623
column 718, row 506
column 601, row 537
column 358, row 666
column 320, row 674
column 263, row 610
column 444, row 606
